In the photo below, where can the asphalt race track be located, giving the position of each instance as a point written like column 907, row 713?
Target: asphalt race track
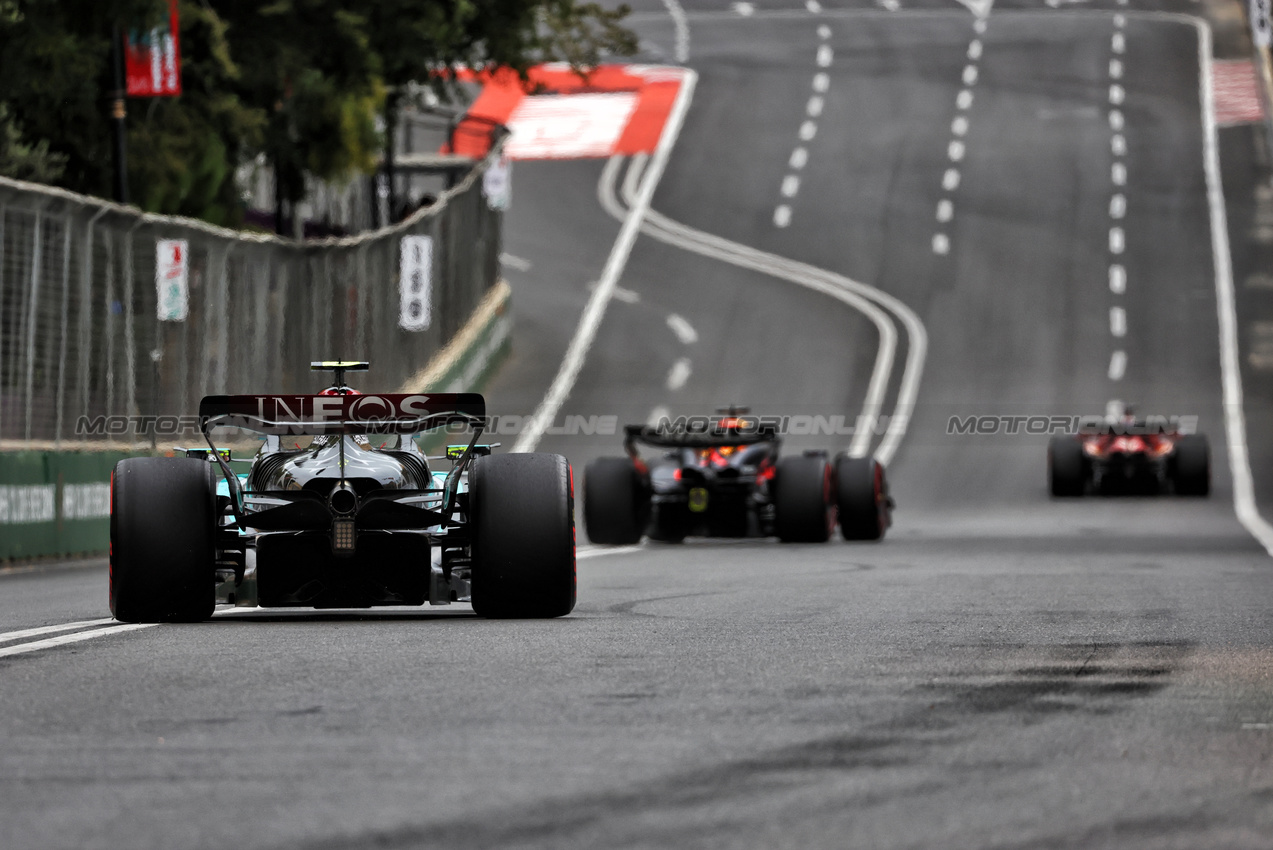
column 1003, row 671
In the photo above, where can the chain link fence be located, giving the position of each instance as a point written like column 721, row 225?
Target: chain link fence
column 109, row 313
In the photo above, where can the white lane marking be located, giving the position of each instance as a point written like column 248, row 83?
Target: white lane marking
column 824, row 31
column 825, row 53
column 627, row 296
column 1117, row 206
column 1115, row 69
column 814, row 107
column 790, row 186
column 1118, row 44
column 821, row 82
column 979, row 25
column 945, row 210
column 595, row 310
column 681, row 51
column 62, row 640
column 5, row 637
column 679, row 374
column 963, row 100
column 1117, row 279
column 1114, row 409
column 1116, row 119
column 813, row 6
column 782, row 215
column 1120, row 21
column 1117, row 365
column 1116, row 94
column 808, row 130
column 516, row 263
column 941, row 244
column 980, row 9
column 1231, row 376
column 597, row 552
column 744, row 9
column 682, row 328
column 657, row 415
column 1117, row 241
column 974, row 49
column 970, row 75
column 1118, row 174
column 955, row 150
column 890, row 5
column 799, row 157
column 866, row 299
column 950, row 180
column 959, row 126
column 1118, row 144
column 1118, row 321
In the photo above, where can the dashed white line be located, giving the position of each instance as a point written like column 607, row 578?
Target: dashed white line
column 790, row 186
column 1118, row 321
column 1116, row 119
column 799, row 157
column 680, row 373
column 955, row 150
column 782, row 215
column 824, row 31
column 963, row 100
column 744, row 9
column 1117, row 206
column 1118, row 44
column 1118, row 144
column 890, row 5
column 682, row 328
column 808, row 130
column 974, row 49
column 1117, row 365
column 1117, row 279
column 979, row 26
column 1116, row 94
column 959, row 126
column 627, row 296
column 970, row 75
column 813, row 6
column 1117, row 241
column 1115, row 69
column 950, row 180
column 814, row 107
column 945, row 210
column 1120, row 21
column 825, row 55
column 821, row 82
column 941, row 243
column 1118, row 174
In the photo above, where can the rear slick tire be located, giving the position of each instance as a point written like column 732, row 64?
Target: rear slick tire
column 613, row 501
column 804, row 510
column 862, row 498
column 162, row 540
column 521, row 511
column 1067, row 474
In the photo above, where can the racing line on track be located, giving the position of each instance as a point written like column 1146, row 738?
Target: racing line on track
column 808, row 129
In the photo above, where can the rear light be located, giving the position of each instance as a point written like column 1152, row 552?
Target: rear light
column 344, row 536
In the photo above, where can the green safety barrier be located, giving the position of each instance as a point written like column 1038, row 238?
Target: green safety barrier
column 55, row 503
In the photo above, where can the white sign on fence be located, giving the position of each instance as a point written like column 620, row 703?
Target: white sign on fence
column 172, row 273
column 497, row 184
column 1260, row 27
column 415, row 283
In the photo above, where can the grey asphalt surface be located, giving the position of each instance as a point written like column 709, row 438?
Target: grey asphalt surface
column 1003, row 671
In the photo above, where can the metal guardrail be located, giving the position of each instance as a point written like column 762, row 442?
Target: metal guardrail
column 82, row 291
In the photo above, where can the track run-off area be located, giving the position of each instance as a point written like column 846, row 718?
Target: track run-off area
column 876, row 219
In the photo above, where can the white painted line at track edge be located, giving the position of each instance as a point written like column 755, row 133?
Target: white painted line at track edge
column 681, row 52
column 20, row 634
column 62, row 640
column 595, row 309
column 1244, row 505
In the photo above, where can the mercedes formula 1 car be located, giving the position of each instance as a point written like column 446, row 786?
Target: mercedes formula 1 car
column 725, row 478
column 340, row 509
column 1129, row 456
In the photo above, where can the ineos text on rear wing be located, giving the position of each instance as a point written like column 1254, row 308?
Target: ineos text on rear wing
column 316, row 415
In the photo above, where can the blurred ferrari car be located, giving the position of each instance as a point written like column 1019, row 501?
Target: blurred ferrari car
column 729, row 480
column 1129, row 456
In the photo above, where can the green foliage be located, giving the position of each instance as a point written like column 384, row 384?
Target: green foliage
column 26, row 162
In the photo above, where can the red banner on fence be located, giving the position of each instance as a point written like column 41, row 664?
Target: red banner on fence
column 153, row 59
